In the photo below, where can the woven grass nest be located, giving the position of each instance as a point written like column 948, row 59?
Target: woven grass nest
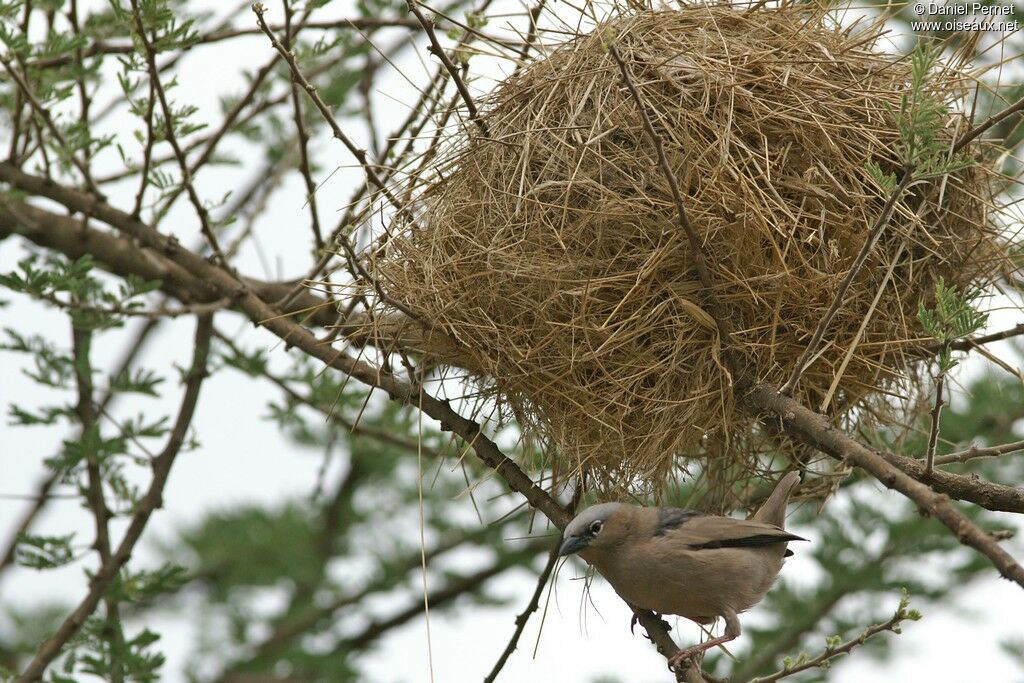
column 548, row 251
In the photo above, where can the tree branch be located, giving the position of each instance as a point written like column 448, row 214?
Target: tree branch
column 524, row 616
column 831, row 652
column 86, row 411
column 995, row 497
column 153, row 499
column 172, row 138
column 815, row 429
column 976, row 452
column 438, row 51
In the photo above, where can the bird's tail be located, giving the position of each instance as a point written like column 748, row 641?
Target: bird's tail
column 774, row 509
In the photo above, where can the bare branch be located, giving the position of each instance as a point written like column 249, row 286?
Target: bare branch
column 971, row 343
column 438, row 51
column 816, row 430
column 994, row 120
column 102, row 47
column 975, row 452
column 995, row 497
column 524, row 616
column 300, row 127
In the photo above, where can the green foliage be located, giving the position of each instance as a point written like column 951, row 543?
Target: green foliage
column 886, row 181
column 44, row 552
column 91, row 304
column 953, row 317
column 920, row 122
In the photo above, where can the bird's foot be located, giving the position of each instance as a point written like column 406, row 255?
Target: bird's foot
column 681, row 660
column 635, row 619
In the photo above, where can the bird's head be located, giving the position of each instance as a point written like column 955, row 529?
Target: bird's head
column 597, row 527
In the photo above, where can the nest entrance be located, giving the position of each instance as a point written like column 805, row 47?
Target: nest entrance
column 550, row 254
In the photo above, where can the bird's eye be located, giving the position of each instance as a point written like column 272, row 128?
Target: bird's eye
column 595, row 527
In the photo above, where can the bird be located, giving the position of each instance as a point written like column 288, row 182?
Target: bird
column 677, row 561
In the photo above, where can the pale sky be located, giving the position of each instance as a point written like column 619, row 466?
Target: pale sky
column 244, row 459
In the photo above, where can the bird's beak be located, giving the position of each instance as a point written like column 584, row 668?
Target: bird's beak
column 571, row 545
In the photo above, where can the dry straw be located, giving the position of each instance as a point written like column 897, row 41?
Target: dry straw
column 549, row 254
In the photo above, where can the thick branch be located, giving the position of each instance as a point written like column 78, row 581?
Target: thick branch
column 815, row 429
column 219, row 284
column 996, row 497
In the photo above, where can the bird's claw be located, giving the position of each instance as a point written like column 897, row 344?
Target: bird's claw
column 635, row 619
column 679, row 660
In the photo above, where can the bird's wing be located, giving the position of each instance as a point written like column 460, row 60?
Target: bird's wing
column 706, row 532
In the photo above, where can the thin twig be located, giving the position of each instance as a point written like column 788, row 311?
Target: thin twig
column 300, row 127
column 933, row 432
column 438, row 51
column 994, row 120
column 524, row 616
column 700, row 261
column 839, row 298
column 217, row 35
column 44, row 114
column 153, row 313
column 42, row 494
column 172, row 138
column 357, row 152
column 153, row 499
column 971, row 343
column 975, row 452
column 830, row 653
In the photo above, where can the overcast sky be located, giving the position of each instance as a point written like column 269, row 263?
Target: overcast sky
column 244, row 459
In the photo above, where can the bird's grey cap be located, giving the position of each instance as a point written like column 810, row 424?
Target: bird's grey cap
column 578, row 533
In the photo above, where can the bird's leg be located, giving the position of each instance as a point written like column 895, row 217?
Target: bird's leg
column 732, row 632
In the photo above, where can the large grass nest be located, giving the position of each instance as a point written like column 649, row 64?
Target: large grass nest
column 550, row 253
